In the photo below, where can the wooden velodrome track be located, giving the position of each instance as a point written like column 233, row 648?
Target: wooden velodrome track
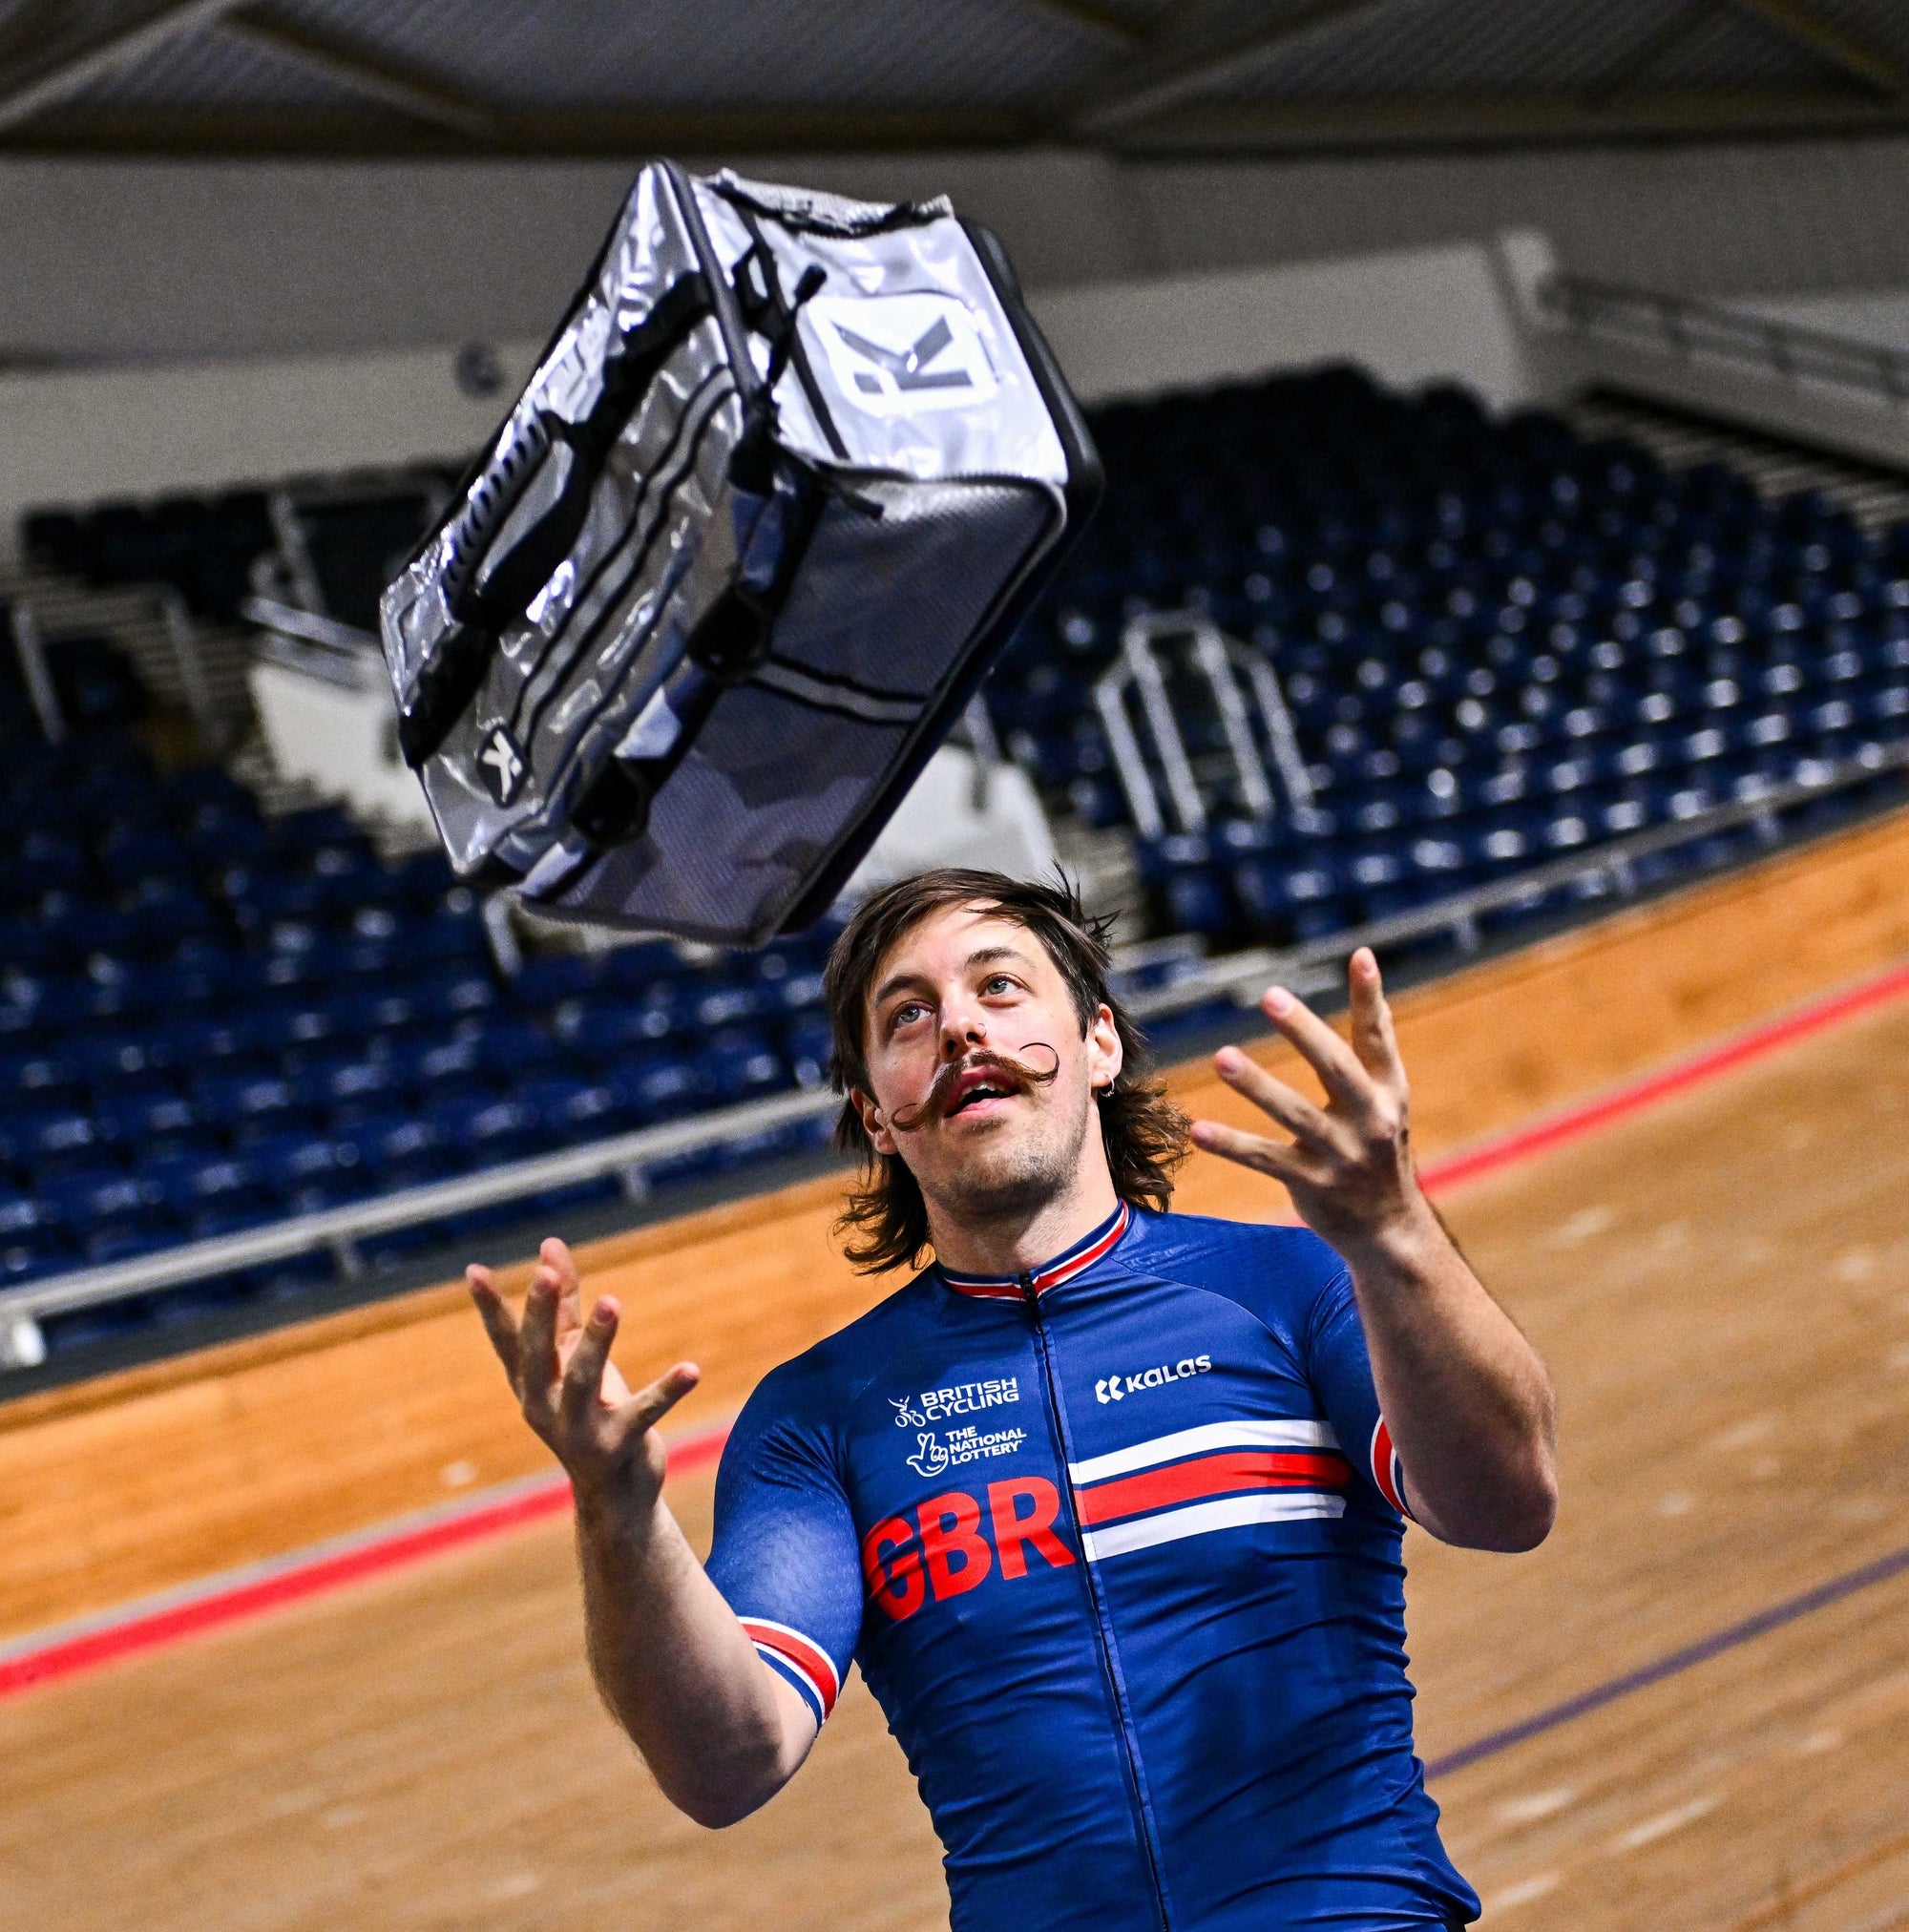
column 1719, row 1278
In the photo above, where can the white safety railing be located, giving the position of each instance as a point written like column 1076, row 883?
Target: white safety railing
column 1696, row 330
column 1237, row 978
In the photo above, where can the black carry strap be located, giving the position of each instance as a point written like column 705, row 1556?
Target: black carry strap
column 760, row 297
column 482, row 607
column 732, row 637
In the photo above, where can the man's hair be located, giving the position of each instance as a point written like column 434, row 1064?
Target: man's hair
column 886, row 1221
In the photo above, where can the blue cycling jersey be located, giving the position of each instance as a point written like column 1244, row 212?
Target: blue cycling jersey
column 1116, row 1544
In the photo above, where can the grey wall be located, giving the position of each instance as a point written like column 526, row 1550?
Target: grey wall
column 117, row 260
column 1797, row 216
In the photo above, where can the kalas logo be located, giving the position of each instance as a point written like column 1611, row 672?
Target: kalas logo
column 1118, row 1388
column 898, row 355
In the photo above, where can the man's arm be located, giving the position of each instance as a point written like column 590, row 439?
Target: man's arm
column 1466, row 1399
column 720, row 1732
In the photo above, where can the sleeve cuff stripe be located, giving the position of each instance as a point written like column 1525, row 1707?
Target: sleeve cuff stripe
column 799, row 1654
column 1387, row 1471
column 803, row 1684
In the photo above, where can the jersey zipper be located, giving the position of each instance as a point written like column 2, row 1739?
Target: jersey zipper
column 1097, row 1610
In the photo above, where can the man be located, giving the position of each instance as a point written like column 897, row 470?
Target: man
column 1107, row 1503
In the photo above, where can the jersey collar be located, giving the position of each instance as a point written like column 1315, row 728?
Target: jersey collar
column 1082, row 1255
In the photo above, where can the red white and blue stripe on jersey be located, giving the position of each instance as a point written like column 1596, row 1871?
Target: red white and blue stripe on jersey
column 799, row 1661
column 1063, row 1267
column 1218, row 1475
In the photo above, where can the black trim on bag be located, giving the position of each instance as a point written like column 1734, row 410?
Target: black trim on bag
column 820, row 692
column 779, row 316
column 449, row 679
column 627, row 377
column 595, row 629
column 638, row 648
column 611, row 556
column 729, row 316
column 897, row 215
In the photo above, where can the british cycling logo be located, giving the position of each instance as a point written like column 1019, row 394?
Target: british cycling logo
column 943, row 1405
column 1118, row 1388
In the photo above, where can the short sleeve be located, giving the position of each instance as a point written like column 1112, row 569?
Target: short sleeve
column 1340, row 1369
column 783, row 1555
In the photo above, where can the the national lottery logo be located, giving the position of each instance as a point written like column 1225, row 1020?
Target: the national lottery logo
column 964, row 1398
column 971, row 1444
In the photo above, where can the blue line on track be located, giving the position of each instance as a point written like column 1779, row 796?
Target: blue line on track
column 1692, row 1654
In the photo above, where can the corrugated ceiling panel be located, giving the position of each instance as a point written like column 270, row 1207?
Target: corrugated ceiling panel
column 1416, row 48
column 1730, row 50
column 687, row 54
column 812, row 55
column 208, row 70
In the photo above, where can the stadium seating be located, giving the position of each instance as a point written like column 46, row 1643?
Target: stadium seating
column 1499, row 643
column 209, row 1020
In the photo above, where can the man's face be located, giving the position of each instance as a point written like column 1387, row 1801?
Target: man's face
column 963, row 983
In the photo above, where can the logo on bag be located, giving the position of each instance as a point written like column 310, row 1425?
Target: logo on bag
column 501, row 765
column 897, row 355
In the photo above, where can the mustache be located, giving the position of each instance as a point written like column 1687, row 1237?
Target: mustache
column 935, row 1104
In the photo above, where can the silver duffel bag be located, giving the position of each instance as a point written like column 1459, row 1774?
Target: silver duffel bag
column 781, row 485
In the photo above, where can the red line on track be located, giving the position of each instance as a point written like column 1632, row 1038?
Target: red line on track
column 244, row 1595
column 140, row 1629
column 1573, row 1122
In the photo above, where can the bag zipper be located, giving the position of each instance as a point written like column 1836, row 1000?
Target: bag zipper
column 1097, row 1608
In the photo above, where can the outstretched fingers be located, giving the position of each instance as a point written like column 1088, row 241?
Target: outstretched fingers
column 1374, row 1039
column 1346, row 1082
column 582, row 1388
column 1279, row 1159
column 558, row 1265
column 499, row 1324
column 647, row 1407
column 536, row 1345
column 1292, row 1110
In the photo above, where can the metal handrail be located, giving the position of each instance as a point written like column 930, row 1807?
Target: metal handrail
column 1238, row 977
column 1245, row 974
column 1689, row 329
column 336, row 1227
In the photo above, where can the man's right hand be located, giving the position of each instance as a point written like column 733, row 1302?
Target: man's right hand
column 573, row 1395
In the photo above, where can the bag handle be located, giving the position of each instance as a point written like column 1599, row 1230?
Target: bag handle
column 481, row 611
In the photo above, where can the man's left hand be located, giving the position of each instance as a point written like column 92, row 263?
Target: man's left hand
column 1349, row 1165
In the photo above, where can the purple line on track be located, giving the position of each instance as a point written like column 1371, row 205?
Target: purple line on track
column 1692, row 1654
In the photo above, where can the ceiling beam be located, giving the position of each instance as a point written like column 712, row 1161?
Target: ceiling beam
column 1439, row 124
column 64, row 72
column 1171, row 78
column 1098, row 20
column 373, row 79
column 1422, row 124
column 1804, row 28
column 695, row 136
